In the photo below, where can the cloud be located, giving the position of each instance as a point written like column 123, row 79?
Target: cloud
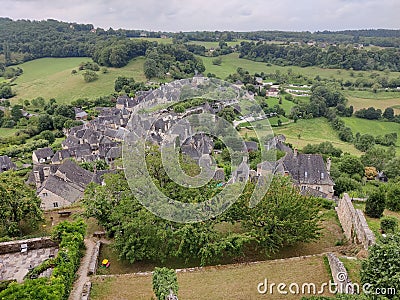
column 239, row 15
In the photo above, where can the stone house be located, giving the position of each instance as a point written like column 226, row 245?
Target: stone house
column 43, row 155
column 60, row 185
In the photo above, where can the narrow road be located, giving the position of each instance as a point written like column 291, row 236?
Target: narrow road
column 83, row 271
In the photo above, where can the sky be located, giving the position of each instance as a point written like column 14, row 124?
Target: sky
column 211, row 15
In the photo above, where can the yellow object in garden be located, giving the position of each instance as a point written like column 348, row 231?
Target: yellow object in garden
column 104, row 262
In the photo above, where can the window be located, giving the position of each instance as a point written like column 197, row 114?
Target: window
column 303, row 187
column 44, row 195
column 318, row 188
column 55, row 204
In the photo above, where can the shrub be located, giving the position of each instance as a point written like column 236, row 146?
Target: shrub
column 164, row 281
column 393, row 198
column 389, row 224
column 382, row 268
column 375, row 204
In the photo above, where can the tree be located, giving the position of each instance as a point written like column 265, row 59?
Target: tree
column 217, row 61
column 365, row 142
column 392, row 169
column 382, row 267
column 375, row 204
column 351, row 165
column 388, row 113
column 16, row 113
column 90, row 76
column 282, row 218
column 164, row 281
column 47, row 135
column 65, row 111
column 393, row 197
column 377, row 157
column 45, row 123
column 19, row 205
column 345, row 184
column 370, row 173
column 389, row 224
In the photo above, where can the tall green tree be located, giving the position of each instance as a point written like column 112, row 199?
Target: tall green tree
column 19, row 205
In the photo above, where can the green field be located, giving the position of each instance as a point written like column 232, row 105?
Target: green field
column 219, row 282
column 7, row 132
column 52, row 78
column 381, row 100
column 158, row 40
column 372, row 127
column 312, row 131
column 232, row 61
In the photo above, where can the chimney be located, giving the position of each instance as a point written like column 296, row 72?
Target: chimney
column 328, row 165
column 59, row 156
column 37, row 179
column 295, row 152
column 46, row 172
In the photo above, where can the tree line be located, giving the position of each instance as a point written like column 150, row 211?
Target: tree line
column 333, row 57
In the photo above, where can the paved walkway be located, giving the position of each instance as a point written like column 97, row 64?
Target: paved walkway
column 83, row 271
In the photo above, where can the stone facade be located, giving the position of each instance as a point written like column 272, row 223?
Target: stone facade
column 353, row 222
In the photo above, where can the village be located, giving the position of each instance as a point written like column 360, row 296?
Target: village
column 60, row 180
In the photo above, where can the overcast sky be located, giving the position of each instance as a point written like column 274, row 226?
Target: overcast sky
column 237, row 15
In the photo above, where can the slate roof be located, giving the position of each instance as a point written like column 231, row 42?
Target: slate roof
column 74, row 173
column 313, row 192
column 65, row 190
column 39, row 169
column 60, row 155
column 70, row 142
column 114, row 152
column 6, row 164
column 307, row 168
column 44, row 153
column 251, row 146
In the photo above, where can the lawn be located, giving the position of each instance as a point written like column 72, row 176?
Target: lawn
column 373, row 127
column 52, row 78
column 158, row 40
column 219, row 282
column 312, row 131
column 381, row 100
column 7, row 132
column 232, row 61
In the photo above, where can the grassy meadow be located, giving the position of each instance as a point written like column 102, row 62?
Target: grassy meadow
column 52, row 78
column 312, row 131
column 232, row 61
column 381, row 100
column 219, row 282
column 373, row 127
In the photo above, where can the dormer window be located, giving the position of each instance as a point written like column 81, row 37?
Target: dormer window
column 305, row 174
column 322, row 175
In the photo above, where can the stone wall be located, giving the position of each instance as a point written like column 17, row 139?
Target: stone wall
column 94, row 259
column 35, row 243
column 339, row 275
column 353, row 222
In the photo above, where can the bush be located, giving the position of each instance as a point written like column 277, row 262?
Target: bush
column 389, row 224
column 382, row 268
column 164, row 281
column 393, row 198
column 375, row 204
column 90, row 76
